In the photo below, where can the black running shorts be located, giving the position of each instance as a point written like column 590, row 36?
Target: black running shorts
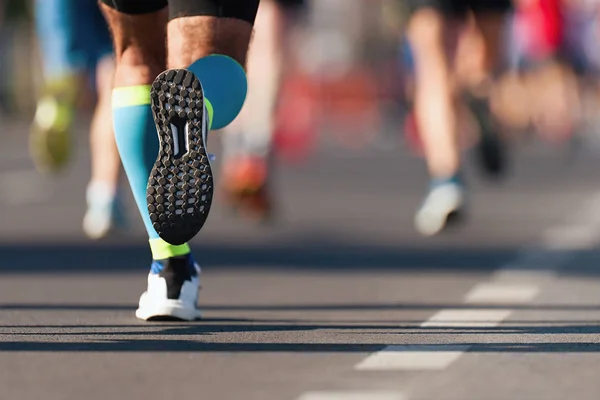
column 460, row 7
column 239, row 9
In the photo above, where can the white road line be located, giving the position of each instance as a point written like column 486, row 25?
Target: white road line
column 498, row 293
column 516, row 283
column 412, row 357
column 454, row 318
column 575, row 237
column 361, row 395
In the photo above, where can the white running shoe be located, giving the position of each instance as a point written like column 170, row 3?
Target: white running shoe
column 443, row 202
column 104, row 214
column 173, row 286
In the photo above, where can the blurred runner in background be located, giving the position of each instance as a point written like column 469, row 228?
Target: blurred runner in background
column 77, row 54
column 554, row 60
column 248, row 164
column 443, row 35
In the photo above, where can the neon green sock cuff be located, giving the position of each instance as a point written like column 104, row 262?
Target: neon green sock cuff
column 128, row 96
column 161, row 249
column 210, row 110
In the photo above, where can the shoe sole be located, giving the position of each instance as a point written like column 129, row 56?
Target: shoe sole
column 167, row 312
column 180, row 187
column 434, row 225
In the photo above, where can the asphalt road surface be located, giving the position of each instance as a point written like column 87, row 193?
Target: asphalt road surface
column 340, row 300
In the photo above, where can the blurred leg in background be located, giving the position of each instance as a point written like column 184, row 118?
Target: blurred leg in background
column 483, row 40
column 248, row 162
column 539, row 33
column 77, row 55
column 437, row 30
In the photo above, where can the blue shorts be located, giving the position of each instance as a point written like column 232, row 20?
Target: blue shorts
column 73, row 36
